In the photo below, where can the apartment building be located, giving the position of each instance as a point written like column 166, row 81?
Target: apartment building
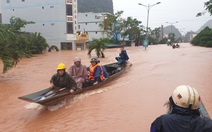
column 56, row 20
column 89, row 22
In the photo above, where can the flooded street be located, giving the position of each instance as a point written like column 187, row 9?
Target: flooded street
column 128, row 104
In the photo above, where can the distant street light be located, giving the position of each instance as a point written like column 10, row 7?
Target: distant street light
column 148, row 7
column 172, row 24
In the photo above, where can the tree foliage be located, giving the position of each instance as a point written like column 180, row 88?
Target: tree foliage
column 15, row 44
column 131, row 27
column 17, row 23
column 208, row 8
column 112, row 24
column 99, row 45
column 204, row 38
column 10, row 50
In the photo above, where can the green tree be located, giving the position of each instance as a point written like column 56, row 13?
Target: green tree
column 15, row 44
column 204, row 38
column 131, row 28
column 99, row 45
column 10, row 51
column 208, row 8
column 156, row 34
column 17, row 23
column 38, row 43
column 112, row 24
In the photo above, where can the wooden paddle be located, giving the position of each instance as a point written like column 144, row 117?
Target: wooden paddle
column 48, row 94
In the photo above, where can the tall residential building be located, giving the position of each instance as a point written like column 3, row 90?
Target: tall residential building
column 89, row 22
column 56, row 20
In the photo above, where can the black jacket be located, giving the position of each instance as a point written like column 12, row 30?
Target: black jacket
column 63, row 81
column 182, row 120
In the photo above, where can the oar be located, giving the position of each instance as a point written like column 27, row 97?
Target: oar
column 47, row 94
column 40, row 96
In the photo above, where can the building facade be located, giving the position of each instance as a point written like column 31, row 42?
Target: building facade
column 56, row 20
column 89, row 22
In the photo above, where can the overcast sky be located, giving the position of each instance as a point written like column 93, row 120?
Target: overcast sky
column 183, row 11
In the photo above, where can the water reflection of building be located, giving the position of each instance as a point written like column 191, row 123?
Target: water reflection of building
column 56, row 20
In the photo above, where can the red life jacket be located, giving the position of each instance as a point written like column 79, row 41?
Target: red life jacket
column 91, row 74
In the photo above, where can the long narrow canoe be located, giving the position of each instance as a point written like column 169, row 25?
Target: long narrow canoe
column 50, row 97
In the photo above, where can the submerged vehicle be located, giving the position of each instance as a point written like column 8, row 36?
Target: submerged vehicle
column 50, row 96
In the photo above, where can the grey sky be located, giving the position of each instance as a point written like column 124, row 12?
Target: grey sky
column 183, row 11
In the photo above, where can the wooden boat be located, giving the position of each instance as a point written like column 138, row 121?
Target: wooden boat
column 50, row 97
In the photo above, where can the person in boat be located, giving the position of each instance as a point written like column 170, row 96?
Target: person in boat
column 106, row 75
column 78, row 72
column 123, row 57
column 184, row 115
column 62, row 79
column 95, row 73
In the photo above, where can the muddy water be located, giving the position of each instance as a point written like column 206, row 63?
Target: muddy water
column 128, row 104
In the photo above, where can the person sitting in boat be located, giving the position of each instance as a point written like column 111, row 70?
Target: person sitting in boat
column 78, row 72
column 123, row 57
column 62, row 79
column 184, row 115
column 104, row 70
column 95, row 73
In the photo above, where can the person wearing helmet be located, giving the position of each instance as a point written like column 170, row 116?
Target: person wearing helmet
column 78, row 72
column 95, row 73
column 62, row 79
column 184, row 115
column 123, row 57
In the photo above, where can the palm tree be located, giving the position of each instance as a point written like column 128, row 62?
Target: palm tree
column 99, row 45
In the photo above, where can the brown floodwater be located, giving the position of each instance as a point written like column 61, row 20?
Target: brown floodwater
column 127, row 104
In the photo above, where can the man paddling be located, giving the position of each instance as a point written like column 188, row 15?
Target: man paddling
column 62, row 79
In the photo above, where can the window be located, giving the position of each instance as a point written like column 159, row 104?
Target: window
column 78, row 26
column 86, row 15
column 42, row 7
column 86, row 23
column 69, row 10
column 69, row 1
column 69, row 28
column 52, row 24
column 43, row 24
column 51, row 6
column 96, row 32
column 69, row 19
column 8, row 1
column 23, row 0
